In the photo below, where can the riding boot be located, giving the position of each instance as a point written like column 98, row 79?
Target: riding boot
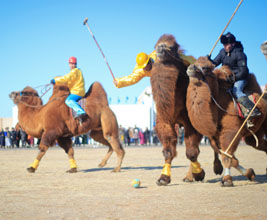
column 244, row 100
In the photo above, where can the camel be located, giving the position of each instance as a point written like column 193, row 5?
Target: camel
column 169, row 83
column 53, row 122
column 213, row 113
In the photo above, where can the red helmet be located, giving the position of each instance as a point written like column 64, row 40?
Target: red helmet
column 73, row 60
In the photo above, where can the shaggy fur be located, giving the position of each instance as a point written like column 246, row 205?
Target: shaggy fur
column 210, row 120
column 169, row 84
column 52, row 122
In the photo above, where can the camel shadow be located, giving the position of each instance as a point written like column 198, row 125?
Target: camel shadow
column 127, row 168
column 259, row 179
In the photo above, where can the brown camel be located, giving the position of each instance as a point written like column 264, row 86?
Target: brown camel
column 213, row 113
column 53, row 122
column 169, row 83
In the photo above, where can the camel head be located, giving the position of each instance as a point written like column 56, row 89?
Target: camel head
column 167, row 48
column 201, row 68
column 27, row 95
column 264, row 49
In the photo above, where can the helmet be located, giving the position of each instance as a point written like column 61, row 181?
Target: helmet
column 228, row 38
column 73, row 60
column 142, row 60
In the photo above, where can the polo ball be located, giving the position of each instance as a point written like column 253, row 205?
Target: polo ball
column 136, row 183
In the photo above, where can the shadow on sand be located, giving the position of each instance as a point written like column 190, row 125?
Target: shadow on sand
column 259, row 179
column 127, row 168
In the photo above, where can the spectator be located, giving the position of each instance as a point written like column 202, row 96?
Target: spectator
column 147, row 136
column 2, row 139
column 13, row 138
column 121, row 134
column 23, row 137
column 155, row 137
column 77, row 141
column 30, row 140
column 7, row 137
column 181, row 135
column 84, row 139
column 141, row 137
column 136, row 135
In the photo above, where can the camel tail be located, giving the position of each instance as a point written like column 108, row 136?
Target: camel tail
column 97, row 92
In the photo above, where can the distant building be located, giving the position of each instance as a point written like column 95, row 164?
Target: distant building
column 5, row 122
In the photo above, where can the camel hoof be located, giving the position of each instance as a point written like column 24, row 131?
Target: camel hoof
column 163, row 180
column 250, row 174
column 227, row 183
column 116, row 170
column 31, row 170
column 101, row 165
column 199, row 176
column 72, row 170
column 187, row 180
column 218, row 169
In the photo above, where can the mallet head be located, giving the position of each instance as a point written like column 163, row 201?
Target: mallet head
column 85, row 21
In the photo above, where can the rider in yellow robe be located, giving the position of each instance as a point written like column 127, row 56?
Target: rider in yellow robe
column 143, row 68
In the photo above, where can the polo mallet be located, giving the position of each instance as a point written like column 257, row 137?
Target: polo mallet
column 226, row 27
column 230, row 145
column 85, row 23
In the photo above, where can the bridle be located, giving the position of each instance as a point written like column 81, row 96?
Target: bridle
column 44, row 90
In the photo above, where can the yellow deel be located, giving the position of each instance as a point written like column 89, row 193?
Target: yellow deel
column 74, row 80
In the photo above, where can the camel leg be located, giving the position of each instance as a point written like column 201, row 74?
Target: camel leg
column 35, row 164
column 262, row 145
column 168, row 138
column 249, row 173
column 113, row 144
column 66, row 144
column 47, row 140
column 227, row 178
column 217, row 165
column 192, row 140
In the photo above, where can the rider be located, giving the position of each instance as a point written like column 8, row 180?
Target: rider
column 75, row 82
column 143, row 67
column 233, row 56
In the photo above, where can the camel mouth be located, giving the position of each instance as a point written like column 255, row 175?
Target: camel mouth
column 161, row 51
column 13, row 96
column 193, row 71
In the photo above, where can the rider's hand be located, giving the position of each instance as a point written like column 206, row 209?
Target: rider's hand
column 53, row 81
column 231, row 79
column 115, row 82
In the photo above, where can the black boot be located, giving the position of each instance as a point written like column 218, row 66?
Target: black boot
column 244, row 100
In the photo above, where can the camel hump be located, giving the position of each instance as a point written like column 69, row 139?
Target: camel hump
column 253, row 85
column 97, row 93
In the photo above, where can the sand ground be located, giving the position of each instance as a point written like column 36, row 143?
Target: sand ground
column 97, row 193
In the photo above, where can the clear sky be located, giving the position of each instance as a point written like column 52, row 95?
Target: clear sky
column 38, row 36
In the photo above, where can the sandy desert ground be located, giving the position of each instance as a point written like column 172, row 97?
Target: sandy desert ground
column 97, row 193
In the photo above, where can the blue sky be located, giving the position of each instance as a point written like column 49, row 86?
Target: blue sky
column 38, row 36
